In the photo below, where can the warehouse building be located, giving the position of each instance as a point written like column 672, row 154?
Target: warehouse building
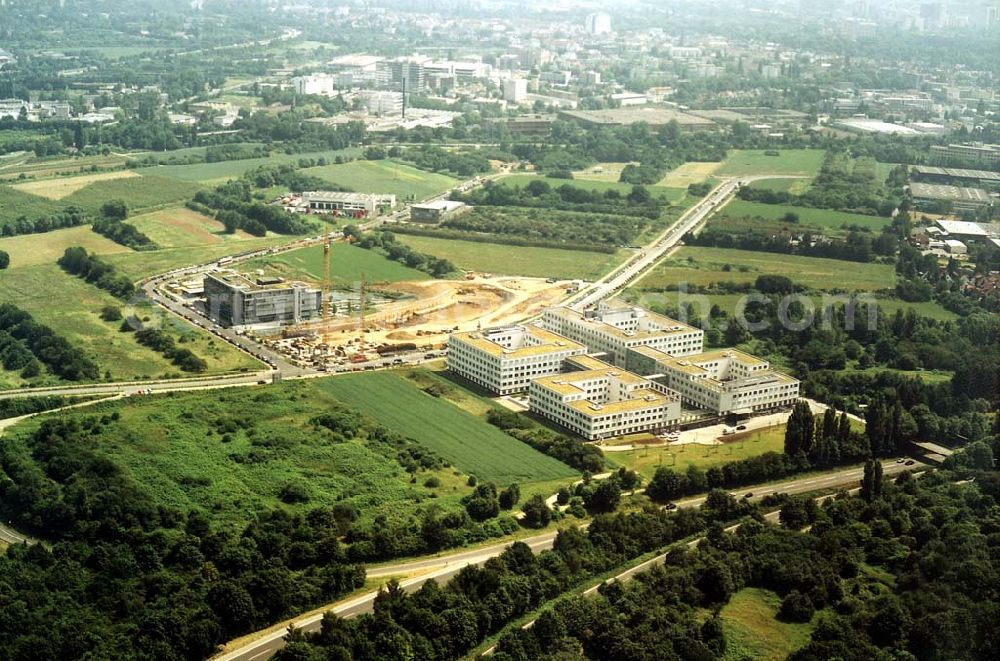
column 355, row 205
column 235, row 300
column 956, row 176
column 505, row 360
column 939, row 197
column 656, row 117
column 723, row 381
column 960, row 230
column 976, row 155
column 613, row 328
column 435, row 212
column 604, row 402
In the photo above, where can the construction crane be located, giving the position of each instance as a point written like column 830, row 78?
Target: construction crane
column 362, row 296
column 326, row 312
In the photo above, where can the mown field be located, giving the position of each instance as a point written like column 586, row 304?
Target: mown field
column 672, row 194
column 72, row 308
column 689, row 173
column 704, row 266
column 470, row 443
column 753, row 630
column 215, row 173
column 202, row 451
column 180, row 227
column 403, row 181
column 516, row 260
column 741, row 215
column 753, row 162
column 34, row 249
column 347, row 265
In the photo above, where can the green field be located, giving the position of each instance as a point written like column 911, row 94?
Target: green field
column 72, row 308
column 674, row 195
column 732, row 215
column 141, row 264
column 201, row 451
column 34, row 249
column 347, row 265
column 212, row 173
column 517, row 260
column 793, row 186
column 704, row 266
column 15, row 203
column 753, row 630
column 180, row 227
column 470, row 443
column 754, row 162
column 138, row 192
column 403, row 181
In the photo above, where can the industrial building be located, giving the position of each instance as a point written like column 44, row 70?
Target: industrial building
column 956, row 176
column 435, row 212
column 355, row 205
column 613, row 328
column 320, row 84
column 603, row 402
column 975, row 155
column 939, row 197
column 722, row 381
column 506, row 360
column 233, row 299
column 655, row 116
column 959, row 230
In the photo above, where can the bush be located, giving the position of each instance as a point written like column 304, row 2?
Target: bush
column 111, row 313
column 4, row 259
column 433, row 482
column 796, row 607
column 294, row 493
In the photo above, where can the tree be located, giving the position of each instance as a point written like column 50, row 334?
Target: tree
column 796, row 607
column 871, row 483
column 509, row 496
column 4, row 259
column 536, row 513
column 665, row 485
column 115, row 209
column 800, row 430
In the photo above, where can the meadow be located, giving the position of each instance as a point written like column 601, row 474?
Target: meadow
column 138, row 265
column 140, row 193
column 471, row 444
column 742, row 215
column 216, row 173
column 793, row 186
column 180, row 227
column 755, row 162
column 753, row 630
column 14, row 203
column 386, row 176
column 704, row 266
column 517, row 260
column 690, row 173
column 57, row 189
column 34, row 249
column 347, row 264
column 52, row 166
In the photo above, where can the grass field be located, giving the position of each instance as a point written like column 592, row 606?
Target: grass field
column 72, row 307
column 34, row 249
column 752, row 162
column 470, row 443
column 403, row 181
column 180, row 227
column 15, row 203
column 827, row 219
column 689, row 173
column 516, row 260
column 753, row 631
column 793, row 186
column 139, row 193
column 141, row 264
column 51, row 166
column 347, row 264
column 679, row 457
column 214, row 173
column 672, row 194
column 600, row 172
column 57, row 189
column 704, row 266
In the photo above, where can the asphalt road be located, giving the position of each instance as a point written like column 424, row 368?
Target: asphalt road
column 444, row 567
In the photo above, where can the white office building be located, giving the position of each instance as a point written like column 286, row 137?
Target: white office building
column 613, row 328
column 506, row 360
column 515, row 90
column 723, row 381
column 603, row 402
column 598, row 23
column 320, row 84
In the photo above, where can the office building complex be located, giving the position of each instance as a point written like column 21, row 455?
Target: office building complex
column 355, row 205
column 505, row 360
column 975, row 155
column 613, row 328
column 723, row 381
column 236, row 300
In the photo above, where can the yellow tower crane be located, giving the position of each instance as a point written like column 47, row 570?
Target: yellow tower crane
column 327, row 303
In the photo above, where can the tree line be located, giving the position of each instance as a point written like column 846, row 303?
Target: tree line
column 77, row 261
column 48, row 348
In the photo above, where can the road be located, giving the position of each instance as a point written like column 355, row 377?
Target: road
column 443, row 567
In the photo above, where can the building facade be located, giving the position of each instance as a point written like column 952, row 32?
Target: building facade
column 355, row 205
column 435, row 212
column 506, row 360
column 235, row 300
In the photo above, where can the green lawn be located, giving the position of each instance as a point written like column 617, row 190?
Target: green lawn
column 752, row 162
column 753, row 632
column 403, row 181
column 704, row 266
column 470, row 443
column 732, row 214
column 347, row 265
column 516, row 260
column 211, row 173
column 522, row 180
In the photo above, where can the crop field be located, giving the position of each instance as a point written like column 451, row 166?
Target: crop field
column 753, row 630
column 14, row 203
column 678, row 457
column 138, row 192
column 741, row 215
column 57, row 189
column 517, row 260
column 403, row 181
column 704, row 266
column 34, row 249
column 187, row 452
column 216, row 173
column 672, row 194
column 752, row 162
column 72, row 308
column 689, row 173
column 347, row 264
column 52, row 166
column 474, row 446
column 180, row 227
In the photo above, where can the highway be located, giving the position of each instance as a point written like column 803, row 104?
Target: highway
column 443, row 567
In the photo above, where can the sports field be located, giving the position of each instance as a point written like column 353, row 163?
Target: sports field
column 516, row 260
column 347, row 265
column 753, row 630
column 733, row 213
column 672, row 194
column 751, row 162
column 704, row 266
column 180, row 227
column 57, row 189
column 403, row 181
column 33, row 249
column 474, row 446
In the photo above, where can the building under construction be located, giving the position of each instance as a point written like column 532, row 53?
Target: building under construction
column 233, row 299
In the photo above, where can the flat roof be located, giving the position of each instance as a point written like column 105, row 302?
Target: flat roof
column 634, row 114
column 962, row 227
column 644, row 398
column 954, row 193
column 669, row 326
column 439, row 205
column 339, row 196
column 547, row 342
column 243, row 283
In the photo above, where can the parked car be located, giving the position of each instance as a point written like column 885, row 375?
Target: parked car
column 741, row 428
column 670, row 506
column 910, row 462
column 749, row 494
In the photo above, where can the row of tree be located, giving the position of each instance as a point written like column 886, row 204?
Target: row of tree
column 77, row 261
column 49, row 348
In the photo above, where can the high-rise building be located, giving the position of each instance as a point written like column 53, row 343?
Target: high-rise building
column 598, row 23
column 515, row 90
